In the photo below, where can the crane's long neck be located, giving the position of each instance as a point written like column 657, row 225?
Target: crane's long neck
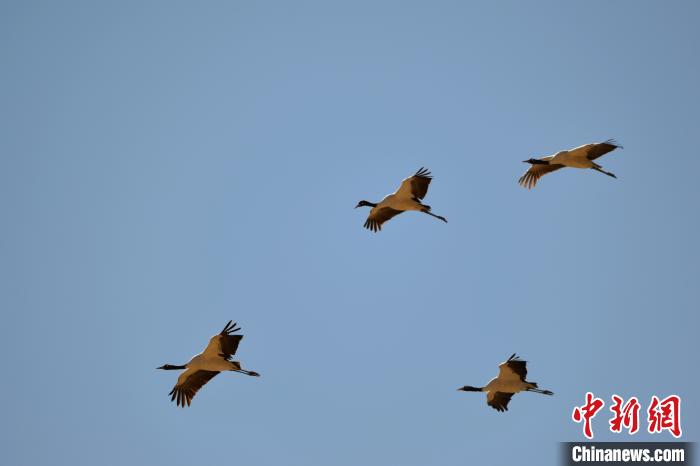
column 170, row 367
column 469, row 388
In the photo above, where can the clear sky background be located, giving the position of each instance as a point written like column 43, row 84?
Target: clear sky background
column 168, row 166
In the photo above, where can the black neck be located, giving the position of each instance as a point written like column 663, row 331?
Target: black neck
column 367, row 204
column 170, row 367
column 468, row 388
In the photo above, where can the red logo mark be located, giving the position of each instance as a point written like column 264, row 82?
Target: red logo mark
column 587, row 412
column 625, row 416
column 665, row 415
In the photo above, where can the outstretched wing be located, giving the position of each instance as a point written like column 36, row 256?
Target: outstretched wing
column 415, row 186
column 378, row 216
column 514, row 367
column 601, row 148
column 530, row 177
column 224, row 344
column 188, row 384
column 499, row 400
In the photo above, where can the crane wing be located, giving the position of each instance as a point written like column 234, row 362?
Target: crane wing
column 514, row 367
column 499, row 400
column 224, row 344
column 415, row 186
column 529, row 178
column 378, row 216
column 601, row 148
column 188, row 384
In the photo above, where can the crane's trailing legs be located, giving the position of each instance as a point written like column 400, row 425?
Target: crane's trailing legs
column 243, row 371
column 426, row 210
column 598, row 168
column 537, row 390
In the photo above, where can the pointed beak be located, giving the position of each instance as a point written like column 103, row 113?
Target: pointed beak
column 526, row 161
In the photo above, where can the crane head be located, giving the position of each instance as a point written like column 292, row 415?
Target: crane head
column 536, row 162
column 365, row 204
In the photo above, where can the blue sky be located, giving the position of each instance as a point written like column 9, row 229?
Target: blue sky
column 168, row 166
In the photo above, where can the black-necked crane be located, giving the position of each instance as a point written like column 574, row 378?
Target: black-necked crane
column 412, row 190
column 510, row 380
column 579, row 157
column 215, row 358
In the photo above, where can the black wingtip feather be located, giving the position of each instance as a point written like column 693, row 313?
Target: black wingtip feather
column 423, row 173
column 613, row 142
column 372, row 225
column 230, row 328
